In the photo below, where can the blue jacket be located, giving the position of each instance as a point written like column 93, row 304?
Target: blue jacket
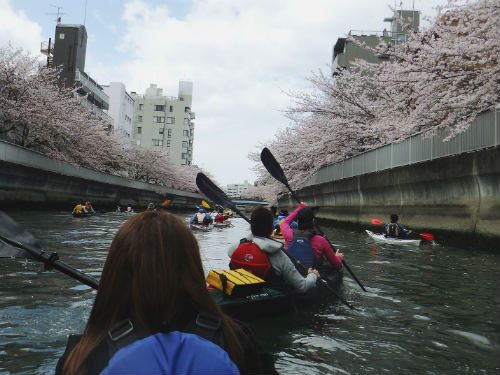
column 171, row 353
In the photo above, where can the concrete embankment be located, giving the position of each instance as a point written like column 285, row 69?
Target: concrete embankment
column 455, row 198
column 29, row 179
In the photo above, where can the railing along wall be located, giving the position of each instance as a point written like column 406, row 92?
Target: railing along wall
column 483, row 132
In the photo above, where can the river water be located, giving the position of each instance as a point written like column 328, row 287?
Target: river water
column 427, row 310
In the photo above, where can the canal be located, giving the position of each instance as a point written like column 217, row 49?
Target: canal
column 427, row 310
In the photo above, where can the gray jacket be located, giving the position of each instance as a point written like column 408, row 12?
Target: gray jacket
column 281, row 264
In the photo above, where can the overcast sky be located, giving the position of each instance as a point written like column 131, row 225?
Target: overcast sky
column 241, row 55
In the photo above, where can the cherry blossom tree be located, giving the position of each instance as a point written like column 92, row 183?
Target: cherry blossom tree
column 440, row 79
column 35, row 112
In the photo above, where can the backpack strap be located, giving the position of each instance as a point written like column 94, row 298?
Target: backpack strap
column 207, row 326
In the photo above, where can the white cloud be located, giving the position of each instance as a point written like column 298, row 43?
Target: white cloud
column 17, row 29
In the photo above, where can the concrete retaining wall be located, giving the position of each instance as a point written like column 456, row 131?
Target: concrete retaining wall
column 455, row 198
column 29, row 178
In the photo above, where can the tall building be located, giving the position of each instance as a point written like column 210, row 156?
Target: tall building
column 236, row 190
column 346, row 51
column 165, row 122
column 121, row 107
column 67, row 51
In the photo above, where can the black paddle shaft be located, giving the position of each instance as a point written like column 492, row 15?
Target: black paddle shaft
column 275, row 170
column 12, row 234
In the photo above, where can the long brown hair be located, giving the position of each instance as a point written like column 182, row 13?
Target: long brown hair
column 154, row 276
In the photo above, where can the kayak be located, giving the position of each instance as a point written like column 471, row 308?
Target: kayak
column 271, row 301
column 83, row 214
column 380, row 237
column 201, row 227
column 225, row 224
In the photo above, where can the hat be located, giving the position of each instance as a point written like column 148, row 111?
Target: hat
column 201, row 210
column 284, row 212
column 151, row 205
column 305, row 214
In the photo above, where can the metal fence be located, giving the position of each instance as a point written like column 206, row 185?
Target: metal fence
column 484, row 132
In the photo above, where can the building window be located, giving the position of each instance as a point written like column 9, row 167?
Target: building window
column 160, row 108
column 187, row 109
column 169, row 133
column 184, row 144
column 171, row 108
column 159, row 119
column 170, row 120
column 141, row 107
column 156, row 142
column 139, row 130
column 185, row 132
column 168, row 143
column 186, row 121
column 184, row 155
column 138, row 142
column 160, row 131
column 139, row 118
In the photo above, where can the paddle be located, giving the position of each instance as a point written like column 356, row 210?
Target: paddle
column 427, row 236
column 16, row 237
column 212, row 191
column 274, row 168
column 166, row 202
column 205, row 204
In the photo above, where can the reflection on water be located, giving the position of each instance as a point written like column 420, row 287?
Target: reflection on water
column 427, row 309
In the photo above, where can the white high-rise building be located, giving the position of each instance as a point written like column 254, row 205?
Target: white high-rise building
column 236, row 190
column 165, row 122
column 121, row 107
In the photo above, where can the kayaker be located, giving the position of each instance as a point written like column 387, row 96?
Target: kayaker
column 201, row 218
column 280, row 269
column 88, row 209
column 219, row 217
column 151, row 206
column 279, row 220
column 129, row 209
column 307, row 246
column 153, row 313
column 394, row 229
column 78, row 209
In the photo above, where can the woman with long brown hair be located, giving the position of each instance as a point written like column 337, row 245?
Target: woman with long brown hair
column 153, row 284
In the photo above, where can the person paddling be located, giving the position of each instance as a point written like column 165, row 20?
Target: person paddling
column 263, row 256
column 307, row 246
column 394, row 229
column 201, row 218
column 153, row 313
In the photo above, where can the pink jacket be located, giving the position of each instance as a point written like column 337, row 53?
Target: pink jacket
column 319, row 244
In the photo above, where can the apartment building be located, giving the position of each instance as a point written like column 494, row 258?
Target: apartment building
column 121, row 107
column 67, row 51
column 345, row 50
column 165, row 122
column 236, row 190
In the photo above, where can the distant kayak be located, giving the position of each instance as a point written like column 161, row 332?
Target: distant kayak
column 83, row 214
column 225, row 224
column 380, row 237
column 201, row 227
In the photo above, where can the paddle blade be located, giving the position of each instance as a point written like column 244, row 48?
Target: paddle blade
column 376, row 222
column 215, row 194
column 272, row 166
column 11, row 230
column 205, row 204
column 427, row 236
column 166, row 202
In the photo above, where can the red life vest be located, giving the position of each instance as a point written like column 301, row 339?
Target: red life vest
column 251, row 258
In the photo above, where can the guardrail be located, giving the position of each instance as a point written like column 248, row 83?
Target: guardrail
column 484, row 132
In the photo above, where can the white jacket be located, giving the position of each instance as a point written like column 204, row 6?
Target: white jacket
column 280, row 262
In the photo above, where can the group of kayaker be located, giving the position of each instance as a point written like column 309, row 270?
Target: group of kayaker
column 153, row 313
column 306, row 251
column 83, row 209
